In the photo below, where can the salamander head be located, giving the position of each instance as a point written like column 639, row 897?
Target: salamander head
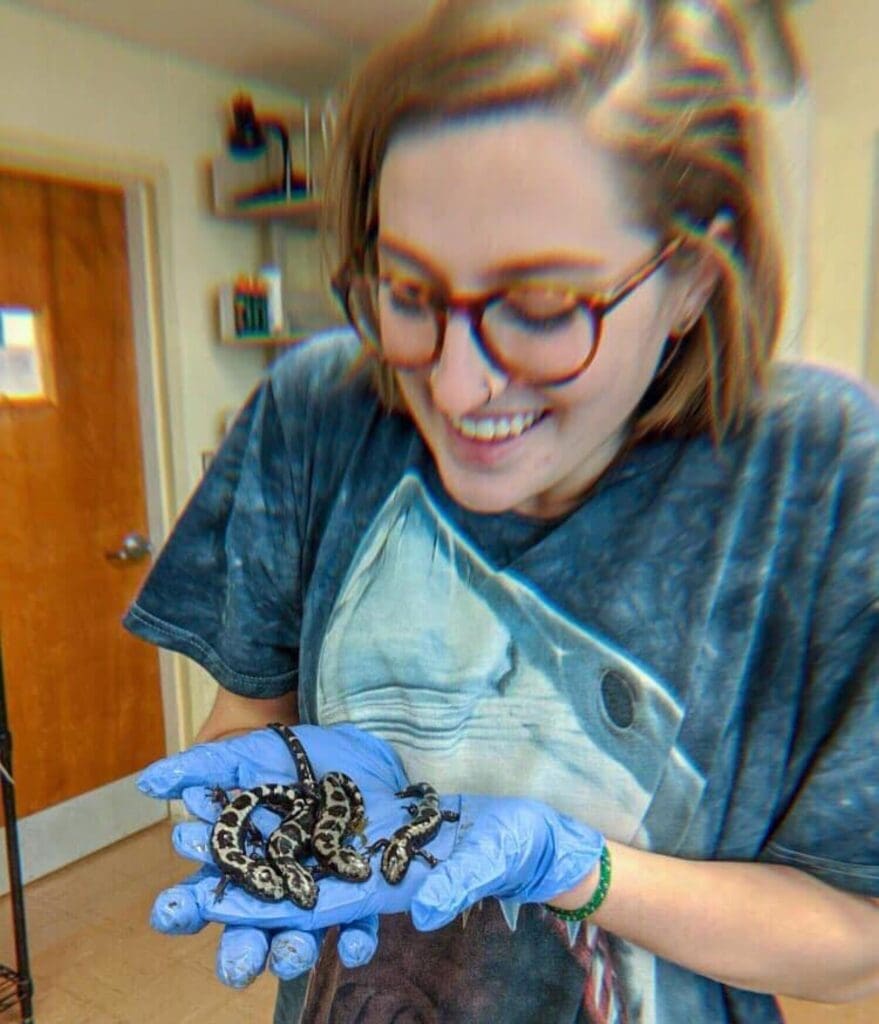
column 395, row 861
column 351, row 865
column 300, row 886
column 263, row 881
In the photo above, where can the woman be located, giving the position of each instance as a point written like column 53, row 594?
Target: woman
column 574, row 550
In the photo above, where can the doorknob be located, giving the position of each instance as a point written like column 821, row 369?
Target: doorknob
column 134, row 548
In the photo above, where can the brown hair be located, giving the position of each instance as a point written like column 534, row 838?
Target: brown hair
column 680, row 110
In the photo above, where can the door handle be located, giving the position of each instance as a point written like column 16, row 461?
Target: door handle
column 134, row 548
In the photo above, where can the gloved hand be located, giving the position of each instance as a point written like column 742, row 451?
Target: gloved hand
column 517, row 850
column 242, row 763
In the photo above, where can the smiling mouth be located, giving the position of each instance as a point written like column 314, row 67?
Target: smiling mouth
column 495, row 428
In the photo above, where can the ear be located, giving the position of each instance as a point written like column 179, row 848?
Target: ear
column 702, row 277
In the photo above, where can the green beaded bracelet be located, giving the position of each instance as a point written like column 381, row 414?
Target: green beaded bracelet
column 597, row 898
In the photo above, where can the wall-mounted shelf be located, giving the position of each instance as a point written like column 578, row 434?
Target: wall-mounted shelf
column 304, row 212
column 275, row 188
column 254, row 189
column 241, row 325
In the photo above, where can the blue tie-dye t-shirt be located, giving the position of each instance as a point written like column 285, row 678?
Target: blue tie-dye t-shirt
column 687, row 661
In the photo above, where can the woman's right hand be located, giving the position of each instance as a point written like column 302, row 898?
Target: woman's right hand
column 279, row 935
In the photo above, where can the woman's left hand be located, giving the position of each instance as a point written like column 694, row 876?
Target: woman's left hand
column 517, row 850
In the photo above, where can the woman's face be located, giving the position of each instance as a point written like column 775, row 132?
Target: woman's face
column 471, row 205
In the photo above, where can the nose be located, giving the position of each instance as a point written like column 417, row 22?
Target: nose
column 462, row 379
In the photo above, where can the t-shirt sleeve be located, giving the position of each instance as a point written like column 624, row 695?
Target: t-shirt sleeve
column 225, row 589
column 830, row 821
column 831, row 828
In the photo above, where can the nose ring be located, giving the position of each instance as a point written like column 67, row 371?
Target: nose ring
column 493, row 386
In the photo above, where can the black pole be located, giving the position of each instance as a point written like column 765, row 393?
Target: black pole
column 23, row 981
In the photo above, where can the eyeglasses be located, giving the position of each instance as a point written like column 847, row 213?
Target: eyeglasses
column 535, row 333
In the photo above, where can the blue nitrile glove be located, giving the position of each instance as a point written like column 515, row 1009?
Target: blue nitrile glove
column 244, row 762
column 517, row 850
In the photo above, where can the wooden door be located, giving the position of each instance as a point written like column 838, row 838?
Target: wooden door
column 84, row 699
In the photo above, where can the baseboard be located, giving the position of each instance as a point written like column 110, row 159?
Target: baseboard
column 62, row 834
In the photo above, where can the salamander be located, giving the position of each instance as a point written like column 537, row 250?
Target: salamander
column 289, row 845
column 341, row 814
column 318, row 816
column 408, row 841
column 234, row 840
column 304, row 769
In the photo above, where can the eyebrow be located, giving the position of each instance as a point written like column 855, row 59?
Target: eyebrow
column 548, row 263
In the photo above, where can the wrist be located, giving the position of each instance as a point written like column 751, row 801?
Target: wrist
column 586, row 898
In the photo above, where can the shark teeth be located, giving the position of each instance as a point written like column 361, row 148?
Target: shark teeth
column 510, row 910
column 495, row 428
column 573, row 928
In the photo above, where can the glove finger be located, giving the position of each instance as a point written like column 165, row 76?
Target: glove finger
column 358, row 941
column 241, row 956
column 211, row 764
column 239, row 763
column 262, row 756
column 294, row 952
column 203, row 801
column 176, row 911
column 192, row 839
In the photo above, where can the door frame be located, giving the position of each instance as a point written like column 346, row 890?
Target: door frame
column 152, row 395
column 146, row 189
column 871, row 333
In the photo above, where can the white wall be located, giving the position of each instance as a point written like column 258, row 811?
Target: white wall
column 76, row 100
column 841, row 47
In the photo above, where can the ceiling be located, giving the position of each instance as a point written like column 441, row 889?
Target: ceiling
column 302, row 45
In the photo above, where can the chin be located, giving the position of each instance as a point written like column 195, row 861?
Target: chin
column 484, row 496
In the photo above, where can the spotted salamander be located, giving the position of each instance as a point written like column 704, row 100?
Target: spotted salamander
column 289, row 845
column 341, row 814
column 318, row 816
column 237, row 845
column 408, row 841
column 304, row 769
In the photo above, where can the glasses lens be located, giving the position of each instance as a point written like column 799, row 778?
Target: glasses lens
column 408, row 322
column 539, row 334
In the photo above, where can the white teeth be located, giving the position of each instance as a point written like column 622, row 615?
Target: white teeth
column 495, row 429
